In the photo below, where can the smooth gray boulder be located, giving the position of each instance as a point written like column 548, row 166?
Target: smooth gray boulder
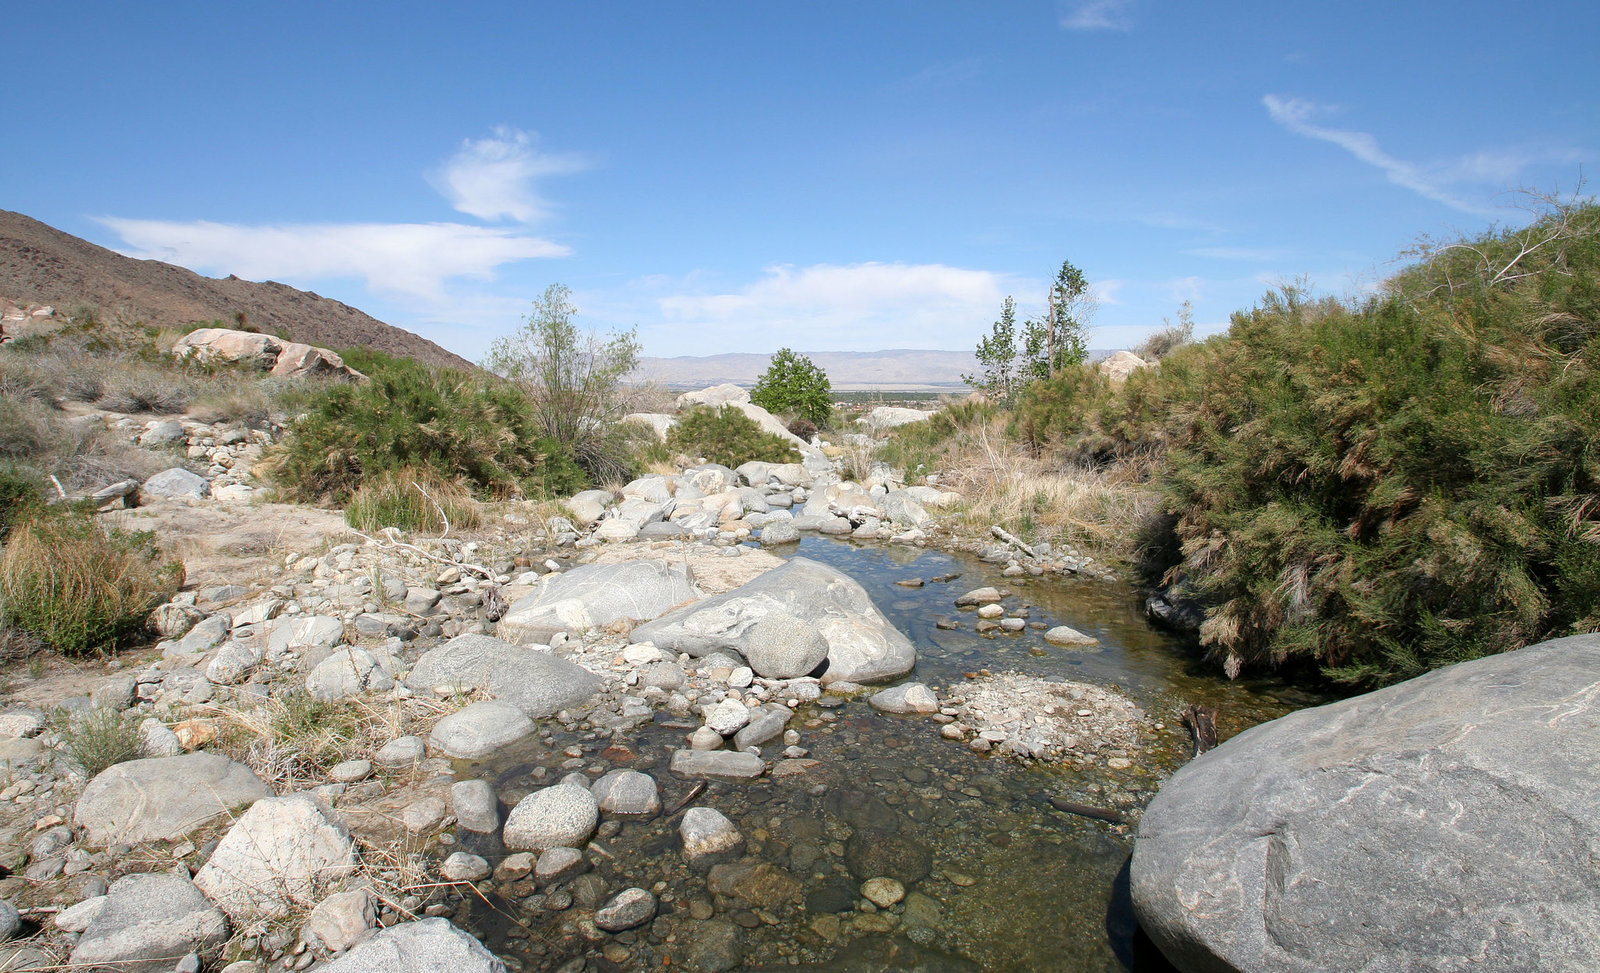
column 348, row 672
column 535, row 682
column 175, row 483
column 780, row 531
column 278, row 858
column 627, row 909
column 163, row 798
column 595, row 596
column 1445, row 822
column 480, row 729
column 908, row 697
column 781, row 646
column 862, row 645
column 476, row 806
column 148, row 923
column 299, row 633
column 766, row 724
column 425, row 946
column 562, row 816
column 627, row 793
column 716, row 763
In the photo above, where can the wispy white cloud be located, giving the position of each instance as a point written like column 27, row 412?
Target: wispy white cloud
column 1431, row 182
column 1097, row 15
column 494, row 178
column 400, row 258
column 1105, row 291
column 853, row 307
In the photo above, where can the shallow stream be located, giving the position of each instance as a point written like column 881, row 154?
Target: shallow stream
column 998, row 879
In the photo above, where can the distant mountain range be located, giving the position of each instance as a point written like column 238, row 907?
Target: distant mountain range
column 40, row 264
column 898, row 369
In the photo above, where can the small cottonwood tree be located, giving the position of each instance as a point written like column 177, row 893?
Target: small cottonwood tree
column 997, row 356
column 574, row 379
column 1059, row 340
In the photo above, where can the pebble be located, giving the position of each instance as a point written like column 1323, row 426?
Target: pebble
column 883, row 892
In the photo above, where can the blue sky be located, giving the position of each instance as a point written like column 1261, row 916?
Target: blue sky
column 826, row 176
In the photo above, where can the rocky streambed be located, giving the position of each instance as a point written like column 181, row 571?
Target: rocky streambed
column 950, row 809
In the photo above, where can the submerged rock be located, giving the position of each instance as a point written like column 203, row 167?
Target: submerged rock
column 1450, row 816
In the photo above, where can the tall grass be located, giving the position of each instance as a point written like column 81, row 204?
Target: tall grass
column 412, row 500
column 80, row 587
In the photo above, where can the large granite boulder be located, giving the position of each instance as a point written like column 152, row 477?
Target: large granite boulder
column 886, row 417
column 535, row 682
column 148, row 923
column 279, row 857
column 1443, row 823
column 425, row 946
column 595, row 596
column 163, row 798
column 862, row 645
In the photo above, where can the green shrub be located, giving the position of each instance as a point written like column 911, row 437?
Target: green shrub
column 1376, row 488
column 100, row 738
column 473, row 429
column 410, row 499
column 729, row 437
column 78, row 586
column 793, row 385
column 20, row 499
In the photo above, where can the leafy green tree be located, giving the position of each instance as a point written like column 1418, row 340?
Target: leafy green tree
column 794, row 385
column 997, row 354
column 1060, row 339
column 574, row 380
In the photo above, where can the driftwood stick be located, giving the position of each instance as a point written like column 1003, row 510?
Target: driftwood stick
column 1087, row 811
column 1202, row 722
column 1005, row 535
column 391, row 542
column 687, row 799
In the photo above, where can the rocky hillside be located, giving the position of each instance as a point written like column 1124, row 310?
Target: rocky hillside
column 42, row 265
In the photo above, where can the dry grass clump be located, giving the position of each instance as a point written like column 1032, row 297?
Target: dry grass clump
column 100, row 738
column 80, row 587
column 1002, row 483
column 292, row 739
column 413, row 499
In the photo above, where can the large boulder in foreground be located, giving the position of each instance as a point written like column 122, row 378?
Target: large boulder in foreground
column 1444, row 822
column 595, row 596
column 163, row 798
column 862, row 645
column 535, row 682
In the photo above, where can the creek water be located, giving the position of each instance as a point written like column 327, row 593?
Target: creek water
column 1005, row 882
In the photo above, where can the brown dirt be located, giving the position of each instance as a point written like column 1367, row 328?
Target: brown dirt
column 235, row 543
column 42, row 265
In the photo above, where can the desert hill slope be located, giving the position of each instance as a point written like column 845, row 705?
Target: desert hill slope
column 42, row 265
